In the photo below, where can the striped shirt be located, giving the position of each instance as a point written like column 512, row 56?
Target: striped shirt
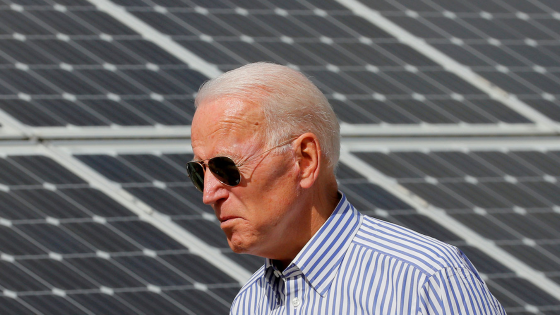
column 356, row 264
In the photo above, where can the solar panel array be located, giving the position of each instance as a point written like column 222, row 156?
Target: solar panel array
column 105, row 227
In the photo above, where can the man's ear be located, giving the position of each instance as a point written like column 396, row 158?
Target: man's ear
column 308, row 157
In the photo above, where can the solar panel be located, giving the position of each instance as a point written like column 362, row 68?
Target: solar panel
column 74, row 249
column 355, row 63
column 72, row 65
column 506, row 196
column 158, row 179
column 512, row 44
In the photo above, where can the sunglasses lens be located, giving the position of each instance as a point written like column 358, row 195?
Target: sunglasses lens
column 225, row 170
column 196, row 174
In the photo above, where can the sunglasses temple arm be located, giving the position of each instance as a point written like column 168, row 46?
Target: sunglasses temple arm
column 277, row 146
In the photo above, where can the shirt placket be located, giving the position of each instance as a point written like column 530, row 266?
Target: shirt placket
column 294, row 295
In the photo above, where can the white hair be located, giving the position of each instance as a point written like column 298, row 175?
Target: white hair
column 292, row 104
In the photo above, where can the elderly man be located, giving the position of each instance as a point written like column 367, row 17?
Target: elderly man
column 266, row 144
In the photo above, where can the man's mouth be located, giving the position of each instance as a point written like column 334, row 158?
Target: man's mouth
column 227, row 218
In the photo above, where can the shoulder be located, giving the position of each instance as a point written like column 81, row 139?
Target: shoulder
column 249, row 290
column 422, row 252
column 442, row 269
column 465, row 291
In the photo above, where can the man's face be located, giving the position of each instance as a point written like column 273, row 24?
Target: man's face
column 258, row 214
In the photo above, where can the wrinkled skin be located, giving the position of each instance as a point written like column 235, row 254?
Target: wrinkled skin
column 262, row 215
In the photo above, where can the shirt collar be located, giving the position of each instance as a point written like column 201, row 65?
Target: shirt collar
column 320, row 258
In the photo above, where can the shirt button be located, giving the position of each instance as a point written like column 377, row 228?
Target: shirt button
column 296, row 302
column 277, row 273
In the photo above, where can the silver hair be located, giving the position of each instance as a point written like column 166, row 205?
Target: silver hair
column 292, row 104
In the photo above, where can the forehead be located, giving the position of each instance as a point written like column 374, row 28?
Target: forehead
column 226, row 126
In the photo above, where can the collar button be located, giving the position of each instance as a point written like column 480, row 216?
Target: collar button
column 296, row 302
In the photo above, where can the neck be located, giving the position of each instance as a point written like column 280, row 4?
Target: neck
column 321, row 204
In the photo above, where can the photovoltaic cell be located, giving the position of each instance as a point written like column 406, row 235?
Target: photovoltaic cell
column 57, row 274
column 105, row 272
column 17, row 280
column 52, row 305
column 534, row 258
column 477, row 195
column 437, row 196
column 55, row 239
column 487, row 227
column 104, row 304
column 197, row 269
column 152, row 303
column 206, row 230
column 528, row 292
column 101, row 236
column 199, row 302
column 153, row 271
column 466, row 164
column 167, row 201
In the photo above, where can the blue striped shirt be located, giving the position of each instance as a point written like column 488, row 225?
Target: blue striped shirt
column 356, row 264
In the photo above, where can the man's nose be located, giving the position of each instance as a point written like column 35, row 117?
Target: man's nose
column 214, row 190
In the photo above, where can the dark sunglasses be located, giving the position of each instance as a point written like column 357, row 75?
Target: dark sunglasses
column 223, row 168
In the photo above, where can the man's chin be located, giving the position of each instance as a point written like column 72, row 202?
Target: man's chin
column 238, row 246
column 238, row 249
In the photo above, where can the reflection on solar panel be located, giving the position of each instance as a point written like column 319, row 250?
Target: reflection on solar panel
column 509, row 198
